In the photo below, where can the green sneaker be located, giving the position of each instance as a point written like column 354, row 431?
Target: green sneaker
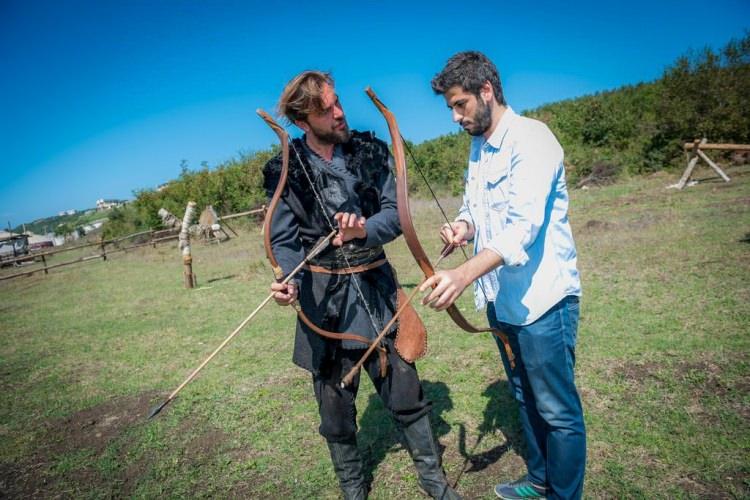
column 520, row 489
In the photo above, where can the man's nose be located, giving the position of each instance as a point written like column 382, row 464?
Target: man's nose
column 338, row 112
column 457, row 117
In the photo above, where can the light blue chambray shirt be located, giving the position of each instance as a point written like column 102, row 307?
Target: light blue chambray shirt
column 516, row 198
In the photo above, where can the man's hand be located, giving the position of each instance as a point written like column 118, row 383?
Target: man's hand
column 448, row 286
column 351, row 227
column 284, row 294
column 457, row 233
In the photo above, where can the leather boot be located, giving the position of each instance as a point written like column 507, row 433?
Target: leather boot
column 423, row 450
column 347, row 463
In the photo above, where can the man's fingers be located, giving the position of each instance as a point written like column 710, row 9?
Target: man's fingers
column 282, row 290
column 352, row 220
column 445, row 299
column 446, row 235
column 428, row 283
column 286, row 296
column 453, row 233
column 440, row 287
column 349, row 220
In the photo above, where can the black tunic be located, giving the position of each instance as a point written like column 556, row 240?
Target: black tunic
column 358, row 180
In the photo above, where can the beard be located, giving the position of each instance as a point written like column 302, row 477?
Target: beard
column 481, row 121
column 333, row 136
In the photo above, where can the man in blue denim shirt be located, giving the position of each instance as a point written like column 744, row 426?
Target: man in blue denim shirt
column 515, row 208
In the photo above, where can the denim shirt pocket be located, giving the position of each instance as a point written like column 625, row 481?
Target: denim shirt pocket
column 497, row 186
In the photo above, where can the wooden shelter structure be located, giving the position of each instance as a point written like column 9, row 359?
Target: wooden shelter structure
column 695, row 151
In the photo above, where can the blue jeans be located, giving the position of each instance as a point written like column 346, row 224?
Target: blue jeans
column 543, row 384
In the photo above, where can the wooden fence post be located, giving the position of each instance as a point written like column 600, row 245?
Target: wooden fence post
column 187, row 258
column 104, row 251
column 44, row 261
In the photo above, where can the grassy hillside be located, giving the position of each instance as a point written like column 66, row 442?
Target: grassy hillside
column 662, row 368
column 631, row 130
column 71, row 222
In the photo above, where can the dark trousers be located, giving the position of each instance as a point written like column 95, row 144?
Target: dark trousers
column 543, row 383
column 400, row 391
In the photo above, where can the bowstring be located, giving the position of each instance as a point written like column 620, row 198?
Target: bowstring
column 434, row 196
column 360, row 294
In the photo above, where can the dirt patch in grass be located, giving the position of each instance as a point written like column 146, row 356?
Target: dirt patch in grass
column 86, row 433
column 598, row 225
column 639, row 373
column 712, row 384
column 85, row 436
column 712, row 393
column 95, row 428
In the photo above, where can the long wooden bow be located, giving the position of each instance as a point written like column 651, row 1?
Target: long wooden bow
column 407, row 226
column 277, row 271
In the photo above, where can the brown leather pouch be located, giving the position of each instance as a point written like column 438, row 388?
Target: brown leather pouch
column 411, row 338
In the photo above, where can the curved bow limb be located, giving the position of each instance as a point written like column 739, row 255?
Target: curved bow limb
column 407, row 226
column 267, row 221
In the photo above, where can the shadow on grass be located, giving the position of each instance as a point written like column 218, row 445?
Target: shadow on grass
column 501, row 413
column 220, row 278
column 378, row 434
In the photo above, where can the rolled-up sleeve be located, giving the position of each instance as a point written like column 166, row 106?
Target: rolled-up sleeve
column 534, row 169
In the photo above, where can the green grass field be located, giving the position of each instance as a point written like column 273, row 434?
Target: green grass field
column 662, row 368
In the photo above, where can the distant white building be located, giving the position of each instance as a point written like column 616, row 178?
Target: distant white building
column 102, row 204
column 67, row 212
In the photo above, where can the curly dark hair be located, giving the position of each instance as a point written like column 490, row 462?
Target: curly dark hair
column 469, row 70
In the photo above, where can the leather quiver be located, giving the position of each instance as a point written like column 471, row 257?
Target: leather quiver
column 411, row 338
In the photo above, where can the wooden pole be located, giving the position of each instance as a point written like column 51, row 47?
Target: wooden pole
column 225, row 223
column 44, row 262
column 104, row 251
column 187, row 258
column 688, row 146
column 713, row 165
column 256, row 211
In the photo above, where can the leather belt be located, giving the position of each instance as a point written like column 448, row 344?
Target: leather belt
column 349, row 270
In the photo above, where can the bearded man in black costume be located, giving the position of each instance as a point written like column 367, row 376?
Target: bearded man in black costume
column 342, row 178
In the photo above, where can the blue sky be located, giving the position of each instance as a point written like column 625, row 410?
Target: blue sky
column 101, row 98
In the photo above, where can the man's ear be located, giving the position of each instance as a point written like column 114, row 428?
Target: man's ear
column 486, row 92
column 303, row 125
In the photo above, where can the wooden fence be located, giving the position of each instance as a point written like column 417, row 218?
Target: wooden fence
column 154, row 238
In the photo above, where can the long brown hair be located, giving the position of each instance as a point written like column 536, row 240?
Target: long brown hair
column 302, row 95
